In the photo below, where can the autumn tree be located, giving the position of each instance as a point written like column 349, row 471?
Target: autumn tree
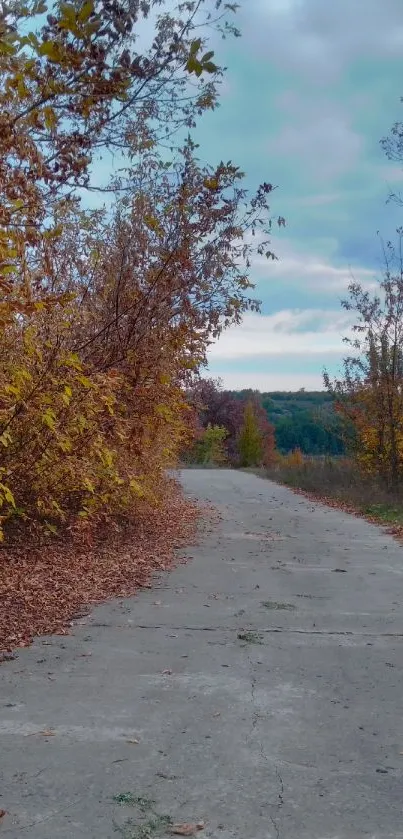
column 208, row 449
column 76, row 89
column 227, row 408
column 370, row 395
column 392, row 145
column 116, row 309
column 265, row 427
column 250, row 443
column 216, row 406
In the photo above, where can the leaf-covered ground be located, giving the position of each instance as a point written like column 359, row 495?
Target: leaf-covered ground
column 43, row 587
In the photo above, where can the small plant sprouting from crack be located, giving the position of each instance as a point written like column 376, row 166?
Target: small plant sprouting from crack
column 274, row 604
column 153, row 827
column 250, row 637
column 149, row 824
column 131, row 800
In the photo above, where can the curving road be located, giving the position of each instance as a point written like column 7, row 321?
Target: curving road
column 258, row 688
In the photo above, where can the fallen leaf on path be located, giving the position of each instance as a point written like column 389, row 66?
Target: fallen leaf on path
column 2, row 813
column 133, row 741
column 47, row 732
column 187, row 828
column 43, row 591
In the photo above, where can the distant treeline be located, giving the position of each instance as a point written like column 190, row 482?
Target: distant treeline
column 303, row 420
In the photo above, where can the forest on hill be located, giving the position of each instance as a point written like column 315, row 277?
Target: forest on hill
column 248, row 427
column 304, row 420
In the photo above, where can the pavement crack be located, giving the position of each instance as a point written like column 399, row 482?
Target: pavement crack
column 281, row 792
column 275, row 825
column 268, row 630
column 278, row 804
column 255, row 715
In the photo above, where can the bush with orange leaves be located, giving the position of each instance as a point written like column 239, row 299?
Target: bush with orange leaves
column 106, row 315
column 93, row 372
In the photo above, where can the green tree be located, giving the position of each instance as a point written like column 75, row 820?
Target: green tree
column 209, row 449
column 250, row 442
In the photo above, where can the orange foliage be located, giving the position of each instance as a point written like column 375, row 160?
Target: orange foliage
column 105, row 316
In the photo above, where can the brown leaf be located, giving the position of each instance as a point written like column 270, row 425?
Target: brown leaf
column 187, row 828
column 2, row 813
column 40, row 590
column 46, row 732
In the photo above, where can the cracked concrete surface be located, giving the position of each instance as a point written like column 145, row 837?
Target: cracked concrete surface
column 298, row 735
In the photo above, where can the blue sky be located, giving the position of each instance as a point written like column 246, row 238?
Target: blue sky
column 311, row 88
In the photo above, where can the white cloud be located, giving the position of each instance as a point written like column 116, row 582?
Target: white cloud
column 317, row 134
column 309, row 270
column 326, row 147
column 298, row 333
column 317, row 38
column 320, row 199
column 270, row 381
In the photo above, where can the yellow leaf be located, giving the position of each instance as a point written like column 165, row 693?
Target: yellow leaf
column 54, row 232
column 85, row 381
column 15, row 391
column 86, row 11
column 88, row 485
column 72, row 360
column 39, row 8
column 153, row 224
column 7, row 48
column 67, row 394
column 211, row 183
column 50, row 118
column 49, row 419
column 135, row 486
column 23, row 90
column 8, row 495
column 163, row 411
column 50, row 49
column 5, row 438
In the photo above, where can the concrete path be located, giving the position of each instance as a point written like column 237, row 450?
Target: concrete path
column 257, row 689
